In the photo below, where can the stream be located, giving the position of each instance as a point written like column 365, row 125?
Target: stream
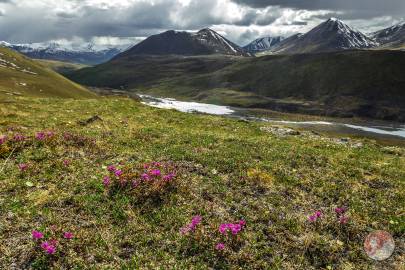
column 370, row 129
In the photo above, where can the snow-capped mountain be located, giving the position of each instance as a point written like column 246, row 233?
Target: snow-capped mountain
column 392, row 37
column 262, row 44
column 203, row 42
column 87, row 53
column 331, row 35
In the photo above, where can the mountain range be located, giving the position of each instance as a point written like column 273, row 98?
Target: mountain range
column 392, row 37
column 86, row 53
column 331, row 35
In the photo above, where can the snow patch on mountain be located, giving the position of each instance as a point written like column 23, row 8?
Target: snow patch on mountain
column 263, row 44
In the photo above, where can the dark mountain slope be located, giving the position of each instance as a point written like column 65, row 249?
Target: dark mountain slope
column 350, row 83
column 204, row 42
column 392, row 37
column 329, row 36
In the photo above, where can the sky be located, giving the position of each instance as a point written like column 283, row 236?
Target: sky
column 118, row 22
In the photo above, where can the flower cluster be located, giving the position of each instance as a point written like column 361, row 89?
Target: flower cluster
column 44, row 135
column 19, row 137
column 317, row 215
column 150, row 179
column 3, row 139
column 195, row 221
column 229, row 234
column 341, row 215
column 234, row 228
column 49, row 246
column 226, row 228
column 23, row 167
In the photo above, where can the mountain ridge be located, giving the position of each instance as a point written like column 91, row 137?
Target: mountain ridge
column 263, row 44
column 331, row 35
column 204, row 42
column 87, row 53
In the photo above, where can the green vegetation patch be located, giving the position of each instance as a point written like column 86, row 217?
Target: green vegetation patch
column 144, row 188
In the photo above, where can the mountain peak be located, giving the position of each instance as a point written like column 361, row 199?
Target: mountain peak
column 334, row 19
column 204, row 42
column 263, row 44
column 331, row 35
column 392, row 37
column 206, row 30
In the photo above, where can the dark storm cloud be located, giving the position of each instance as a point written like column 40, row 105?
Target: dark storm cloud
column 141, row 18
column 353, row 8
column 240, row 20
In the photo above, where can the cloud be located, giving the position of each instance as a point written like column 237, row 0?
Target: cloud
column 352, row 8
column 131, row 20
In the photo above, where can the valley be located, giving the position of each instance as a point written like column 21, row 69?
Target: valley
column 342, row 84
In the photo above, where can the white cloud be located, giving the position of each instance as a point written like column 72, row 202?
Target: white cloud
column 132, row 20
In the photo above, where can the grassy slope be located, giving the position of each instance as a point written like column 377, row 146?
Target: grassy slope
column 232, row 170
column 59, row 66
column 363, row 83
column 45, row 83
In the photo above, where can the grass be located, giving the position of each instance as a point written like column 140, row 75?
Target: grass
column 227, row 170
column 34, row 80
column 59, row 66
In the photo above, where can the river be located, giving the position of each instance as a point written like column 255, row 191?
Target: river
column 369, row 128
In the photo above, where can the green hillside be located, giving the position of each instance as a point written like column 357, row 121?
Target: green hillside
column 21, row 76
column 350, row 83
column 59, row 66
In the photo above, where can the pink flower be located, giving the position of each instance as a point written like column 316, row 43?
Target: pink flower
column 68, row 235
column 66, row 162
column 343, row 219
column 317, row 215
column 195, row 221
column 50, row 134
column 169, row 177
column 135, row 183
column 312, row 218
column 118, row 173
column 111, row 168
column 3, row 139
column 37, row 235
column 242, row 222
column 220, row 246
column 40, row 136
column 155, row 173
column 145, row 177
column 106, row 181
column 223, row 228
column 235, row 228
column 48, row 248
column 18, row 138
column 340, row 210
column 23, row 167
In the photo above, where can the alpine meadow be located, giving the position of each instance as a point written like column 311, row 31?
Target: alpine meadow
column 218, row 134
